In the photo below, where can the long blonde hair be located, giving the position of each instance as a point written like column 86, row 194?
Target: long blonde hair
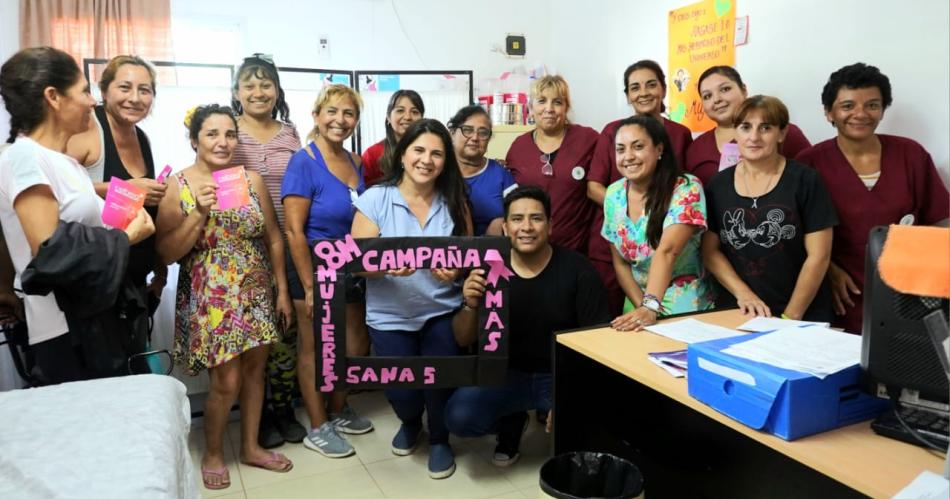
column 333, row 92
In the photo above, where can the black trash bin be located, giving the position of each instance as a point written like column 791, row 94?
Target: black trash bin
column 582, row 475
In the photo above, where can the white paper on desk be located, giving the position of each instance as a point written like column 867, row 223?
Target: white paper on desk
column 815, row 350
column 768, row 324
column 692, row 331
column 927, row 485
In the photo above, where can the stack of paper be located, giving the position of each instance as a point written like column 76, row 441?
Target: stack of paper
column 769, row 324
column 815, row 350
column 672, row 362
column 692, row 331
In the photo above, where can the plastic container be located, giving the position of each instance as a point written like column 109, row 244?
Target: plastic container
column 582, row 475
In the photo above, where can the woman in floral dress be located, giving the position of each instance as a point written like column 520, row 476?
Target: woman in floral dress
column 226, row 314
column 654, row 218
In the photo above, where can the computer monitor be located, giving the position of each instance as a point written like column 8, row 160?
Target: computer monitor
column 898, row 356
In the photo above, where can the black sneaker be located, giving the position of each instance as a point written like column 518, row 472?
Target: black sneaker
column 510, row 429
column 286, row 421
column 267, row 435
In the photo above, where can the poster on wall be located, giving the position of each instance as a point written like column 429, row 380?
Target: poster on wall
column 701, row 35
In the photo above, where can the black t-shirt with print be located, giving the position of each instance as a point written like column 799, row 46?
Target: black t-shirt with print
column 766, row 244
column 567, row 294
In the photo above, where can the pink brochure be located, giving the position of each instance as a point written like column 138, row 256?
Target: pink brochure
column 730, row 155
column 123, row 202
column 163, row 174
column 232, row 188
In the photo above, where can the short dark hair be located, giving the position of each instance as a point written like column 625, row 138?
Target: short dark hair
column 529, row 192
column 260, row 66
column 857, row 75
column 727, row 71
column 24, row 77
column 652, row 66
column 464, row 114
column 202, row 113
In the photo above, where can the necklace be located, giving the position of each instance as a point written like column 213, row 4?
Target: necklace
column 745, row 180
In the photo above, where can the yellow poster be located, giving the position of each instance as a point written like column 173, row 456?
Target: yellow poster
column 701, row 35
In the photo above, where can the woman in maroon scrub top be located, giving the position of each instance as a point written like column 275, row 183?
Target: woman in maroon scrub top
column 722, row 91
column 644, row 84
column 556, row 157
column 874, row 179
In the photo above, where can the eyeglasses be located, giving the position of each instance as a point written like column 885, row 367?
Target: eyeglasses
column 467, row 131
column 546, row 168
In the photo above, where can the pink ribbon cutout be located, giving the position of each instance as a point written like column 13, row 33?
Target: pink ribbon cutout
column 496, row 267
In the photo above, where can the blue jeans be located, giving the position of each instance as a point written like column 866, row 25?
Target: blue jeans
column 434, row 339
column 473, row 411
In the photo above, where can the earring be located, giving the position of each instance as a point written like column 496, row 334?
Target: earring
column 660, row 156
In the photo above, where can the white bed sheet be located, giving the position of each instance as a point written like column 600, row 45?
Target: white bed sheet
column 117, row 437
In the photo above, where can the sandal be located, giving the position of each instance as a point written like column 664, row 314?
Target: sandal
column 222, row 473
column 277, row 463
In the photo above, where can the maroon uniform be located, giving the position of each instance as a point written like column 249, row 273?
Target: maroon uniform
column 571, row 211
column 908, row 185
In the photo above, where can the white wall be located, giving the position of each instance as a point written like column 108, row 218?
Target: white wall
column 366, row 34
column 793, row 48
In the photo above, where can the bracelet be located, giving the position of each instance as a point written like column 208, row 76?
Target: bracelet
column 651, row 302
column 466, row 307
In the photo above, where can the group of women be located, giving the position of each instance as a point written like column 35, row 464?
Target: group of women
column 780, row 236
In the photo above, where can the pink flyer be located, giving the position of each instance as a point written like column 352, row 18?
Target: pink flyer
column 123, row 202
column 232, row 188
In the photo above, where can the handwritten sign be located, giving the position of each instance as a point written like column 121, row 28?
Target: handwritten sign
column 337, row 258
column 701, row 35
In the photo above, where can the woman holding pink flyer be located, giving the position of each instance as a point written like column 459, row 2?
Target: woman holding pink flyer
column 218, row 223
column 44, row 196
column 115, row 147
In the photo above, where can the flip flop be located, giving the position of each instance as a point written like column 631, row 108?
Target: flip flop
column 221, row 473
column 277, row 463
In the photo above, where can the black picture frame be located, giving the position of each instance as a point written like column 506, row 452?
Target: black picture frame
column 336, row 260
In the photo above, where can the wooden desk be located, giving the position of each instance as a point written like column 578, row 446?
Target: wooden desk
column 854, row 455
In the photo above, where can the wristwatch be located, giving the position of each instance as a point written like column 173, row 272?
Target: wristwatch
column 651, row 302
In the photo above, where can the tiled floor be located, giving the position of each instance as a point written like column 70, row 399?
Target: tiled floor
column 374, row 472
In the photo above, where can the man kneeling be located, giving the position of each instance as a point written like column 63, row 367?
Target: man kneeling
column 553, row 289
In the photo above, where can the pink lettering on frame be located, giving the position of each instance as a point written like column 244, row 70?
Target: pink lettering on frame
column 352, row 375
column 492, row 341
column 367, row 264
column 428, row 375
column 493, row 299
column 494, row 321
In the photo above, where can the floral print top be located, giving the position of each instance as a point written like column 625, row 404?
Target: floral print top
column 689, row 289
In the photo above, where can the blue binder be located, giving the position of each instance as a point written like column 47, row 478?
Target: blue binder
column 789, row 404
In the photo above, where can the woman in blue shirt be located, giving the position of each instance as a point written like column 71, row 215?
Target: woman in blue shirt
column 487, row 179
column 409, row 312
column 321, row 183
